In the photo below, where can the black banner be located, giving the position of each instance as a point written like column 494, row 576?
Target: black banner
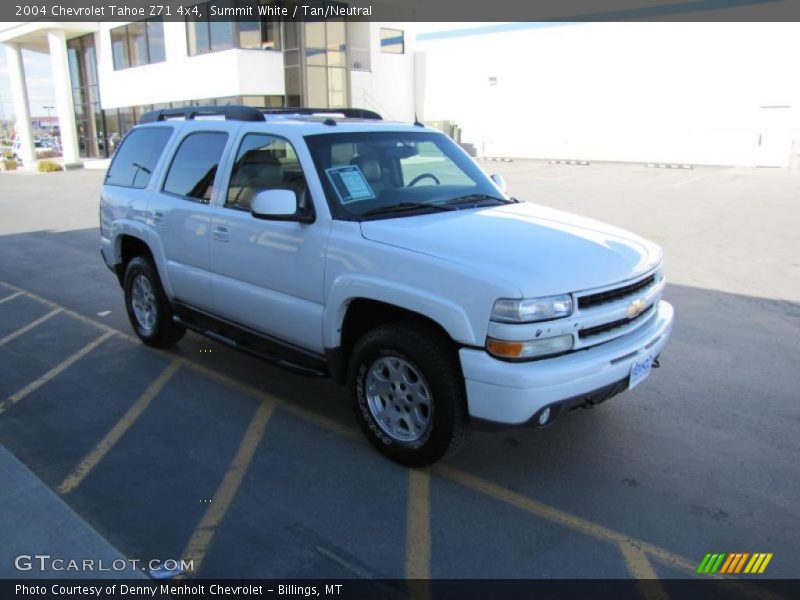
column 445, row 589
column 402, row 10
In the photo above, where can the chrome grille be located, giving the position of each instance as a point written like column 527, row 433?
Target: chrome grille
column 606, row 327
column 591, row 300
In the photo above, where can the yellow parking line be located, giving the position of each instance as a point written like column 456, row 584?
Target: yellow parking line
column 11, row 297
column 29, row 326
column 69, row 312
column 203, row 534
column 35, row 385
column 641, row 569
column 94, row 457
column 558, row 516
column 418, row 531
column 637, row 562
column 298, row 411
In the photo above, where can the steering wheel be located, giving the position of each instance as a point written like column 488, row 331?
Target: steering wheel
column 419, row 178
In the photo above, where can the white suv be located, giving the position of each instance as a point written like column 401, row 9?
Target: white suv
column 379, row 254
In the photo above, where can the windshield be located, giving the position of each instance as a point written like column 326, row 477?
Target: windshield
column 391, row 172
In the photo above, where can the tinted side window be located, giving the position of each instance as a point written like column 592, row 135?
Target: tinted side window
column 195, row 165
column 264, row 162
column 137, row 156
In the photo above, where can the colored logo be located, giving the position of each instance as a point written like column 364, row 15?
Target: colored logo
column 738, row 562
column 635, row 308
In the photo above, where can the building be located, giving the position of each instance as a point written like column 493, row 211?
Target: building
column 44, row 125
column 107, row 74
column 670, row 93
column 665, row 93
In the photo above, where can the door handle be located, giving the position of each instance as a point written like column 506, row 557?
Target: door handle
column 159, row 218
column 220, row 234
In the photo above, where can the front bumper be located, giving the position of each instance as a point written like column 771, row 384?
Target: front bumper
column 512, row 393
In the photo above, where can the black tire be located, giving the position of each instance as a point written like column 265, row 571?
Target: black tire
column 164, row 331
column 428, row 352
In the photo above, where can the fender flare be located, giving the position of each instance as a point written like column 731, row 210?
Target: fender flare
column 134, row 229
column 449, row 315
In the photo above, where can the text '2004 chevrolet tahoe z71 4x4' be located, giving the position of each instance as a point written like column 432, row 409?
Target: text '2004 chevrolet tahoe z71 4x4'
column 380, row 254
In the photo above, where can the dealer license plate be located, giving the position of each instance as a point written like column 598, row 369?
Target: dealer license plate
column 639, row 371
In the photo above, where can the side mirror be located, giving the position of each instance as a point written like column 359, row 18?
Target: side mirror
column 500, row 182
column 279, row 205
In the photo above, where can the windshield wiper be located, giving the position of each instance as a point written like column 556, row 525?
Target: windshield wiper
column 475, row 198
column 405, row 207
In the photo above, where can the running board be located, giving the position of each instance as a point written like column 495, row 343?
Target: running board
column 269, row 356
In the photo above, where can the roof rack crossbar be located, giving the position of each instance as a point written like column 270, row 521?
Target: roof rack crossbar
column 230, row 113
column 349, row 113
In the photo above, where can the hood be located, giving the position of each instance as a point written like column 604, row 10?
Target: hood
column 540, row 250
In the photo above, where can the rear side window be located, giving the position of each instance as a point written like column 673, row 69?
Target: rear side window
column 137, row 156
column 195, row 165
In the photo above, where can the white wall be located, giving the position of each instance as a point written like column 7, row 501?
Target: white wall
column 182, row 77
column 389, row 87
column 662, row 92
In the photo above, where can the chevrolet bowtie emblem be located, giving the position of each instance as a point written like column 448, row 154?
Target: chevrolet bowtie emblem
column 635, row 308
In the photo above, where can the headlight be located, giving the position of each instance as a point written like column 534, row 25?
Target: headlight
column 529, row 349
column 532, row 309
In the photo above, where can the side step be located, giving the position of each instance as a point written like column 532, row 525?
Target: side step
column 257, row 348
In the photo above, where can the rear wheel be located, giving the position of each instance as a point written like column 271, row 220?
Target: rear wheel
column 147, row 305
column 408, row 393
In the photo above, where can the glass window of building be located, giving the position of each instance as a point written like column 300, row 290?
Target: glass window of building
column 336, row 43
column 221, row 35
column 337, row 87
column 325, row 62
column 90, row 125
column 119, row 47
column 249, row 32
column 197, row 36
column 205, row 34
column 259, row 33
column 291, row 35
column 271, row 35
column 392, row 41
column 138, row 43
column 155, row 40
column 250, row 35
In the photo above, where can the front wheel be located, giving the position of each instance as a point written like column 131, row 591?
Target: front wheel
column 408, row 393
column 147, row 305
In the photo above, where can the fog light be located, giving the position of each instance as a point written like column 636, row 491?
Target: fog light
column 544, row 417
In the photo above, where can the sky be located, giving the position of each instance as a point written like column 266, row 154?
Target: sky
column 39, row 79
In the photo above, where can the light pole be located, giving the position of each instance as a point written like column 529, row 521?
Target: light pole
column 49, row 121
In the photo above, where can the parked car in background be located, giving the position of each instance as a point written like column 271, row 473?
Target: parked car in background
column 43, row 148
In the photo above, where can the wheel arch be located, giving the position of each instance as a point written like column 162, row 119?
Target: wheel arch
column 345, row 322
column 129, row 247
column 131, row 242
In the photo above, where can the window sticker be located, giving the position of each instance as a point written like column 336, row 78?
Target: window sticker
column 350, row 183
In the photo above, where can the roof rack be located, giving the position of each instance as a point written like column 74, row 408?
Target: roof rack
column 249, row 113
column 230, row 113
column 349, row 113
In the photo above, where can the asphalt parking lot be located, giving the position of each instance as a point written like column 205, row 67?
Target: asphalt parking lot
column 251, row 471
